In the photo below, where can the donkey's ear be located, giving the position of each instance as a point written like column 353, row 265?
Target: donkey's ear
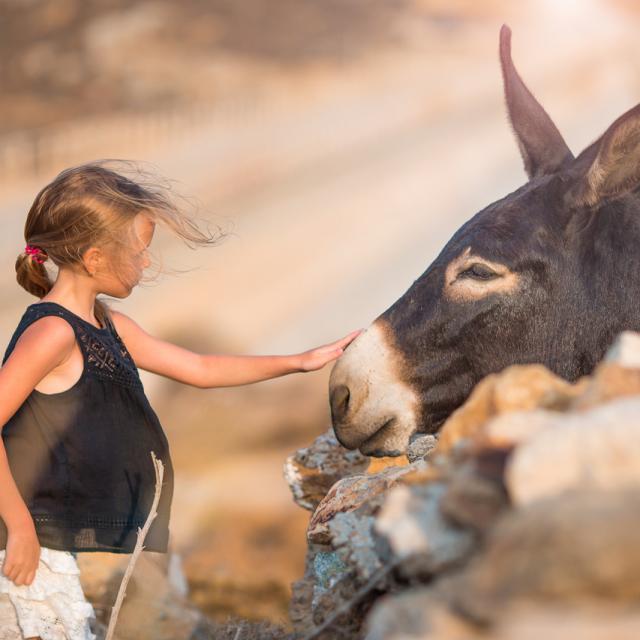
column 611, row 165
column 542, row 147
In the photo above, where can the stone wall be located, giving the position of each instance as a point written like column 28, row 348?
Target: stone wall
column 518, row 521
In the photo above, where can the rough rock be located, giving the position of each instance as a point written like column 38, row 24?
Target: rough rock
column 352, row 537
column 572, row 548
column 417, row 533
column 421, row 445
column 328, row 582
column 473, row 501
column 512, row 429
column 517, row 388
column 300, row 605
column 618, row 375
column 418, row 614
column 609, row 381
column 351, row 492
column 590, row 450
column 576, row 555
column 310, row 472
column 625, row 351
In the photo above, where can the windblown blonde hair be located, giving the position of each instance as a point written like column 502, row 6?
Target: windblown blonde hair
column 93, row 205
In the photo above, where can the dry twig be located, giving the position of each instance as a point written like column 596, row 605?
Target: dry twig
column 142, row 534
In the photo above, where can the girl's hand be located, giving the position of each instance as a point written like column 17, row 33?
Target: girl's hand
column 318, row 357
column 22, row 554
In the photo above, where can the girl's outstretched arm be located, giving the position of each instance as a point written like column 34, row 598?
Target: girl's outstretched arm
column 217, row 370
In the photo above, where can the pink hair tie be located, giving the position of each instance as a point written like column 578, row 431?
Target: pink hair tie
column 40, row 254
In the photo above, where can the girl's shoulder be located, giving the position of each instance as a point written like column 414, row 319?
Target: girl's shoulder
column 38, row 327
column 105, row 353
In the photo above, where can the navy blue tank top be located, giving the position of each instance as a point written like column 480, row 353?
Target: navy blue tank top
column 81, row 458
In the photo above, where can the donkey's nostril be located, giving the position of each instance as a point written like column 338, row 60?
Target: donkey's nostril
column 339, row 400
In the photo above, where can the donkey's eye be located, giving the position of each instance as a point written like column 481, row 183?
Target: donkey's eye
column 479, row 272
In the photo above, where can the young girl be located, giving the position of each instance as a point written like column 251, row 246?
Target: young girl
column 76, row 473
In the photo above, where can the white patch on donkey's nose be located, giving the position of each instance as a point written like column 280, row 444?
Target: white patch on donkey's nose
column 370, row 401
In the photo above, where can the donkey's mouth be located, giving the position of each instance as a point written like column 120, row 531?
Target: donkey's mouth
column 375, row 446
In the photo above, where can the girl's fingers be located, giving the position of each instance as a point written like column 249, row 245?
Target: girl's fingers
column 348, row 338
column 344, row 341
column 333, row 350
column 20, row 578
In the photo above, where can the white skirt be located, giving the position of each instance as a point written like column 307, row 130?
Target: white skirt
column 53, row 606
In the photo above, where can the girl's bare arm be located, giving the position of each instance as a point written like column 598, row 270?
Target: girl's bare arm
column 214, row 370
column 43, row 346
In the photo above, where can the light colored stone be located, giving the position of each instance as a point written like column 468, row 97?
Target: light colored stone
column 411, row 522
column 572, row 549
column 421, row 445
column 517, row 388
column 473, row 501
column 310, row 472
column 625, row 351
column 415, row 614
column 590, row 450
column 608, row 382
column 352, row 537
column 418, row 614
column 350, row 493
column 587, row 622
column 511, row 429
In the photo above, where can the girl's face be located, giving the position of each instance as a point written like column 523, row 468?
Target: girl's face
column 120, row 281
column 143, row 228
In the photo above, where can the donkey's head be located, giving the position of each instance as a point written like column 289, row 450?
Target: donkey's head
column 548, row 274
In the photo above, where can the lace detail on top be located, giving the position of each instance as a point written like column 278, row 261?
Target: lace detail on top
column 105, row 354
column 100, row 357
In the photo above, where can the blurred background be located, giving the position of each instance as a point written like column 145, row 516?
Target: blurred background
column 339, row 143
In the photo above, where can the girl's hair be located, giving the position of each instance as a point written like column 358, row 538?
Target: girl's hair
column 93, row 205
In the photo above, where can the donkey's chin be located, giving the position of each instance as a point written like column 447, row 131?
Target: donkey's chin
column 380, row 453
column 390, row 440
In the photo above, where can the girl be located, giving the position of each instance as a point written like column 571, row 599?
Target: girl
column 77, row 429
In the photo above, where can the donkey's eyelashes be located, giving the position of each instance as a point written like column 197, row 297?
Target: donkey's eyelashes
column 479, row 271
column 471, row 277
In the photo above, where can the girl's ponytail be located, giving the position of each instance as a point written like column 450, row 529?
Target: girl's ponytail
column 32, row 275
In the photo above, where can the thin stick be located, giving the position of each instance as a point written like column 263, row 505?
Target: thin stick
column 142, row 534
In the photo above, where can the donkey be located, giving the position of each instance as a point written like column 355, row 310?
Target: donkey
column 548, row 274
